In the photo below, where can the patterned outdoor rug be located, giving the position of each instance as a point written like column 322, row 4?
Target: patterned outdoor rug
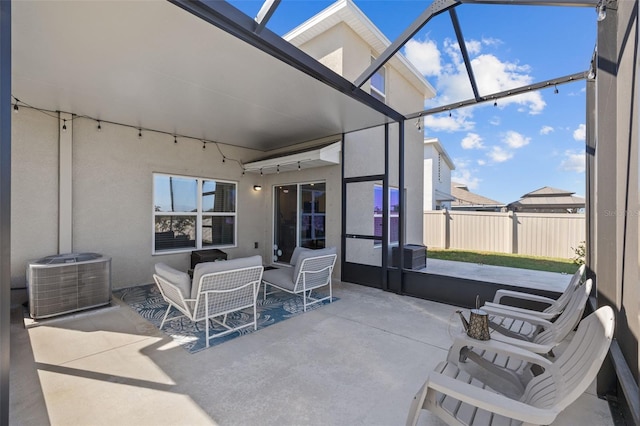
column 147, row 301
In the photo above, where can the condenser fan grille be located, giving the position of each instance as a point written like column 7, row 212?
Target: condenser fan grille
column 57, row 287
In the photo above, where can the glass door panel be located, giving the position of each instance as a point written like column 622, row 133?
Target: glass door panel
column 312, row 215
column 285, row 218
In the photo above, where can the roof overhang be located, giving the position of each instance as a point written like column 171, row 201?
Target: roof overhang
column 153, row 65
column 318, row 157
column 443, row 196
column 346, row 11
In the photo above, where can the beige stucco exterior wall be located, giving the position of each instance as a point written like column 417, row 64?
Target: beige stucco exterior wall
column 112, row 193
column 368, row 145
column 34, row 190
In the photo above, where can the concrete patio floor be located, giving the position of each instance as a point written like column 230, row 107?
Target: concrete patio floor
column 357, row 361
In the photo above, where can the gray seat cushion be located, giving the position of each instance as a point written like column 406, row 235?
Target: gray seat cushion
column 220, row 266
column 311, row 253
column 281, row 277
column 178, row 278
column 296, row 254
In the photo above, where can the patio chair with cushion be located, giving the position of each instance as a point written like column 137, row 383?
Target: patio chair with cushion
column 312, row 270
column 217, row 289
column 553, row 306
column 463, row 399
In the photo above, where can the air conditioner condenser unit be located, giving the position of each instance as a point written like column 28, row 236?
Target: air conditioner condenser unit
column 66, row 283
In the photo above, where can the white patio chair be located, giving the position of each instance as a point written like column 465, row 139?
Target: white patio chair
column 554, row 306
column 534, row 333
column 472, row 356
column 461, row 399
column 219, row 288
column 312, row 270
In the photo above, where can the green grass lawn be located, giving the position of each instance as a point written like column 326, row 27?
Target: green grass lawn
column 504, row 259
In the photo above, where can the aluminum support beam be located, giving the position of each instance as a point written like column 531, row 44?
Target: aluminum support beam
column 505, row 94
column 465, row 53
column 266, row 12
column 231, row 20
column 5, row 207
column 434, row 9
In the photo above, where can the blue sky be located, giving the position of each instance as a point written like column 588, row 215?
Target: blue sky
column 523, row 143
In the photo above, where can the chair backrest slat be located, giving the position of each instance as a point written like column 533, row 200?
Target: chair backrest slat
column 574, row 370
column 568, row 319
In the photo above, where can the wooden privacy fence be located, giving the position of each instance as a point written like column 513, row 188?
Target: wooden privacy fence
column 536, row 234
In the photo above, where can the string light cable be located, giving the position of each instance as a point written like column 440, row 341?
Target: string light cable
column 17, row 104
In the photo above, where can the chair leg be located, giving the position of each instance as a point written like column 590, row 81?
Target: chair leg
column 416, row 405
column 165, row 317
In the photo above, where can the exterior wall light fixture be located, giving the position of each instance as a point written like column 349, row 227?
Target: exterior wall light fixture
column 257, row 188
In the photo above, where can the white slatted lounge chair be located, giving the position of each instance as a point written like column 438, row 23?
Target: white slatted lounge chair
column 312, row 270
column 473, row 357
column 219, row 288
column 554, row 306
column 534, row 333
column 461, row 399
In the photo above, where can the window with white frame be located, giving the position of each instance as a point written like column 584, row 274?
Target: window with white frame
column 378, row 84
column 193, row 213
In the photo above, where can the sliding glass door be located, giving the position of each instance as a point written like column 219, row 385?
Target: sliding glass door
column 299, row 218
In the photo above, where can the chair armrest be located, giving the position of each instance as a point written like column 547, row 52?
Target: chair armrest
column 497, row 346
column 523, row 316
column 490, row 401
column 544, row 315
column 522, row 296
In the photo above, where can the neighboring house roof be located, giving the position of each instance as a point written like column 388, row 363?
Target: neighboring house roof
column 443, row 196
column 549, row 198
column 435, row 142
column 466, row 198
column 346, row 11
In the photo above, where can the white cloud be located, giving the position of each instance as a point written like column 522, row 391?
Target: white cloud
column 472, row 141
column 424, row 55
column 499, row 154
column 515, row 139
column 464, row 174
column 574, row 161
column 495, row 121
column 546, row 130
column 458, row 121
column 481, row 162
column 473, row 46
column 492, row 76
column 580, row 133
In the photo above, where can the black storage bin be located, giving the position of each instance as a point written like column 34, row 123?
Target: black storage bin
column 415, row 256
column 211, row 255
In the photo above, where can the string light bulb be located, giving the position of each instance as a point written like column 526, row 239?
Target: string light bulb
column 15, row 106
column 224, row 159
column 556, row 89
column 175, row 139
column 449, row 113
column 602, row 11
column 99, row 126
column 298, row 166
column 64, row 125
column 495, row 103
column 278, row 169
column 139, row 133
column 204, row 145
column 261, row 172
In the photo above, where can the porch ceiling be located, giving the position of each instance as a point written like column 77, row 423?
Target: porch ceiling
column 153, row 65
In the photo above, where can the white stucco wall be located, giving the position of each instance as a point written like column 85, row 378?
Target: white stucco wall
column 34, row 192
column 112, row 193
